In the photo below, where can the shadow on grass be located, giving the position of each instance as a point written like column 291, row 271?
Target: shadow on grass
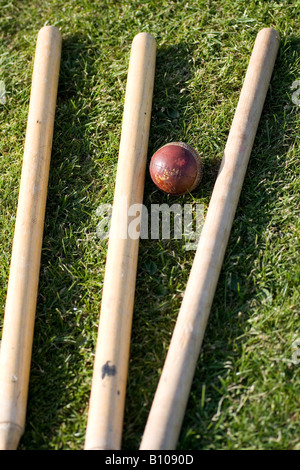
column 162, row 272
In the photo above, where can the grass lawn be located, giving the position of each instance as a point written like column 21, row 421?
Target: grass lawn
column 246, row 388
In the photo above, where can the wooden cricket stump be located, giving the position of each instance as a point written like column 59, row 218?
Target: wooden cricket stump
column 169, row 404
column 18, row 327
column 107, row 400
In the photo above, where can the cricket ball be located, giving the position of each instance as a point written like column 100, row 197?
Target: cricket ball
column 176, row 168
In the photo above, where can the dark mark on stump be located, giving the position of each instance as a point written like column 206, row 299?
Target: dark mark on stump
column 108, row 370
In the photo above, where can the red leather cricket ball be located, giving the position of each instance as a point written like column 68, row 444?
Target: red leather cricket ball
column 176, row 168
